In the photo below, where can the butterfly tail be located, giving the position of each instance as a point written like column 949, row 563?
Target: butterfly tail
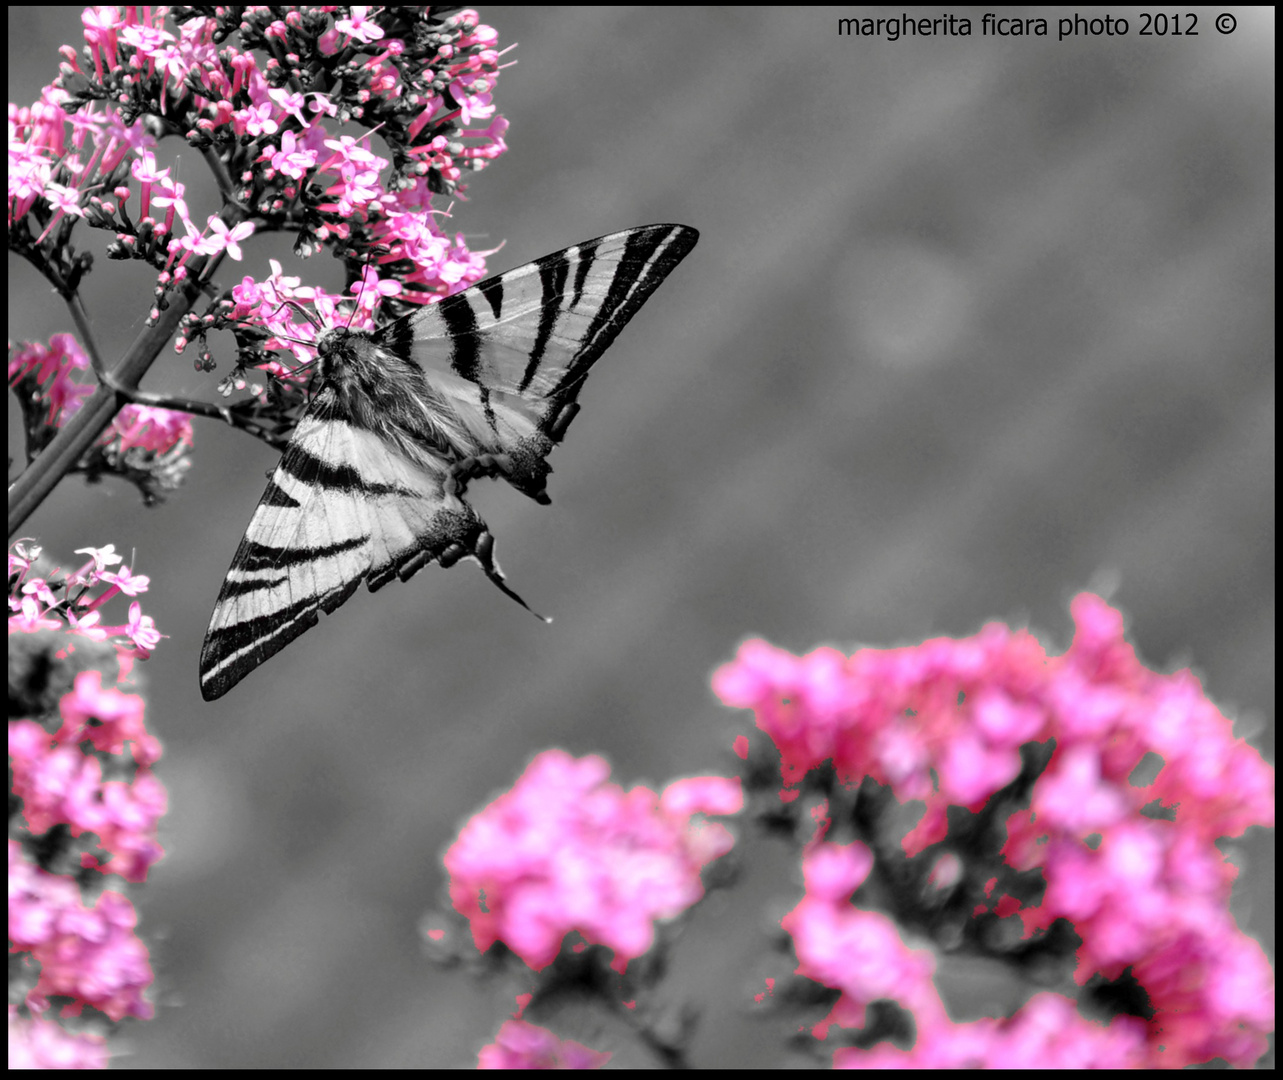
column 483, row 552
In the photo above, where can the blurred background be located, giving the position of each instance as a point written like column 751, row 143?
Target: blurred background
column 974, row 324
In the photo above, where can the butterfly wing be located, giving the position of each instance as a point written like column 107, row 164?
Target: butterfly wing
column 340, row 507
column 510, row 354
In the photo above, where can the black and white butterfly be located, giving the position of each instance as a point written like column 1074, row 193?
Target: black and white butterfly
column 371, row 484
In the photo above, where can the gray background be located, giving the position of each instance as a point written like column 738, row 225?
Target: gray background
column 973, row 325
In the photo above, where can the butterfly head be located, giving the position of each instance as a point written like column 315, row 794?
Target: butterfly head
column 341, row 351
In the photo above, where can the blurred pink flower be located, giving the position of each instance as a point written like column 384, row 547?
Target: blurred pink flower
column 566, row 850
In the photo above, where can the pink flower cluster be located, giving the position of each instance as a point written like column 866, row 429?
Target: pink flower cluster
column 279, row 156
column 88, row 953
column 520, row 1045
column 565, row 851
column 36, row 1043
column 1048, row 1033
column 84, row 798
column 61, row 600
column 48, row 371
column 148, row 427
column 242, row 86
column 863, row 954
column 58, row 782
column 942, row 723
column 140, row 437
column 61, row 785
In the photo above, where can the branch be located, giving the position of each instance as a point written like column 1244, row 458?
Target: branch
column 274, row 436
column 87, row 424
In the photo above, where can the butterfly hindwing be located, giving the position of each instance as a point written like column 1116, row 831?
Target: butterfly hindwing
column 370, row 486
column 305, row 549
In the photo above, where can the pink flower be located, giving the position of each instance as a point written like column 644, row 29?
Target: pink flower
column 31, row 619
column 127, row 582
column 357, row 26
column 566, row 850
column 942, row 723
column 37, row 1043
column 142, row 630
column 859, row 952
column 116, row 718
column 523, row 1046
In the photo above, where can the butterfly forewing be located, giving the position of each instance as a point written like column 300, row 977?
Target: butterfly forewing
column 511, row 353
column 482, row 383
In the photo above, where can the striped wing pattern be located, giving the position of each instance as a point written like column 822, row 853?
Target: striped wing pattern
column 511, row 354
column 500, row 365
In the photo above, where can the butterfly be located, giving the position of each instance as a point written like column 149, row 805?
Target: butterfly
column 371, row 484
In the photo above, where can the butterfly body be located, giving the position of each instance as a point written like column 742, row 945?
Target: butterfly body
column 372, row 483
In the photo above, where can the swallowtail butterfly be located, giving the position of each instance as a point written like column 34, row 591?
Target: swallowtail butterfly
column 371, row 484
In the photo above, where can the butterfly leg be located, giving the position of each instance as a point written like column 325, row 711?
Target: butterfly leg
column 482, row 465
column 499, row 466
column 523, row 467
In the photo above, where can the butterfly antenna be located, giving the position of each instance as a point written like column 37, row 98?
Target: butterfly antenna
column 360, row 294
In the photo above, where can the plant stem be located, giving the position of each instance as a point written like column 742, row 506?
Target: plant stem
column 87, row 424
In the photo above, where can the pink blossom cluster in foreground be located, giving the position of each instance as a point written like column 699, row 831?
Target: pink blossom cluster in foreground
column 942, row 723
column 86, row 800
column 89, row 953
column 863, row 954
column 566, row 850
column 59, row 784
column 520, row 1045
column 36, row 1043
column 111, row 793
